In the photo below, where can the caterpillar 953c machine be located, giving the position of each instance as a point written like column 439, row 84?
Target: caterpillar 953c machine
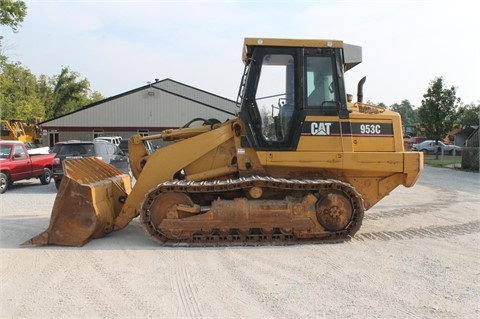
column 300, row 163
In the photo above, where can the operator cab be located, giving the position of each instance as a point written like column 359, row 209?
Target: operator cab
column 285, row 81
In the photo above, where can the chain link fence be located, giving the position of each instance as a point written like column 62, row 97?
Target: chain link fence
column 468, row 159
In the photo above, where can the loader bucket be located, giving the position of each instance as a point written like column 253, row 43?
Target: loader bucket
column 89, row 198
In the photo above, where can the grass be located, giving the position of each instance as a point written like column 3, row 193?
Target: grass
column 442, row 161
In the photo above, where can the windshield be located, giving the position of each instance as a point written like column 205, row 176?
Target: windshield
column 76, row 149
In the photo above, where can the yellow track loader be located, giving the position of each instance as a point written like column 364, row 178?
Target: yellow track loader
column 299, row 164
column 19, row 130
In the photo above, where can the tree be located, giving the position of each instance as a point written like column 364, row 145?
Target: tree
column 45, row 92
column 468, row 115
column 69, row 93
column 437, row 113
column 12, row 13
column 24, row 96
column 408, row 114
column 18, row 95
column 96, row 96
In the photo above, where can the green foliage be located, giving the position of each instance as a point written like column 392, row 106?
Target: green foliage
column 45, row 92
column 18, row 96
column 96, row 96
column 380, row 104
column 437, row 114
column 408, row 114
column 12, row 13
column 23, row 95
column 69, row 93
column 443, row 161
column 468, row 115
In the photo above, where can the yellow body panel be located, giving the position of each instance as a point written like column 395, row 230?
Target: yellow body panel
column 365, row 171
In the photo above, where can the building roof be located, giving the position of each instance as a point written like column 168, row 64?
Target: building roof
column 466, row 131
column 174, row 94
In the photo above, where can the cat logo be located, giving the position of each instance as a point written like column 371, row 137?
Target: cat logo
column 320, row 128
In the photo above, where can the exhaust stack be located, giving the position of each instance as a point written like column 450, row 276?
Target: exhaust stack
column 360, row 89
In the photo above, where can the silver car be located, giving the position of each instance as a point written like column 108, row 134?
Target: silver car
column 429, row 146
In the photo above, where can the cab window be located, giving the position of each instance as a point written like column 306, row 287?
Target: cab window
column 275, row 96
column 320, row 84
column 19, row 152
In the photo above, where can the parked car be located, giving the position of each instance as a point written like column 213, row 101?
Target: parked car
column 58, row 145
column 17, row 164
column 106, row 151
column 112, row 139
column 124, row 146
column 30, row 145
column 430, row 146
column 410, row 140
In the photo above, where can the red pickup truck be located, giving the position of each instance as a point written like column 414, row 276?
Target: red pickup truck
column 16, row 164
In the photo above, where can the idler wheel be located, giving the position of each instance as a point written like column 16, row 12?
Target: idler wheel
column 165, row 205
column 334, row 211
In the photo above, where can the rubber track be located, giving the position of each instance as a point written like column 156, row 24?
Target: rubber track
column 244, row 183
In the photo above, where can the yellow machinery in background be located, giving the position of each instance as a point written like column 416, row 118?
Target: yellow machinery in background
column 19, row 130
column 299, row 164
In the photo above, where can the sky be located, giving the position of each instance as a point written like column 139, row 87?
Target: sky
column 122, row 45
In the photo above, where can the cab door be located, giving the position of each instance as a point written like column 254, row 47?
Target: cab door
column 271, row 101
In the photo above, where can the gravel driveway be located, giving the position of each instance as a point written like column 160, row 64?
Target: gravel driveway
column 417, row 255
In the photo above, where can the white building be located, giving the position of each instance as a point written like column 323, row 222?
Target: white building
column 146, row 110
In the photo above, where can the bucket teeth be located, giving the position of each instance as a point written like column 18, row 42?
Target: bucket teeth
column 40, row 239
column 86, row 205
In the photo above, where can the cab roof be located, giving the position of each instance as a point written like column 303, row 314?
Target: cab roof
column 352, row 54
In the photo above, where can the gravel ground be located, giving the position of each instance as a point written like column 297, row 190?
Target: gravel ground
column 416, row 256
